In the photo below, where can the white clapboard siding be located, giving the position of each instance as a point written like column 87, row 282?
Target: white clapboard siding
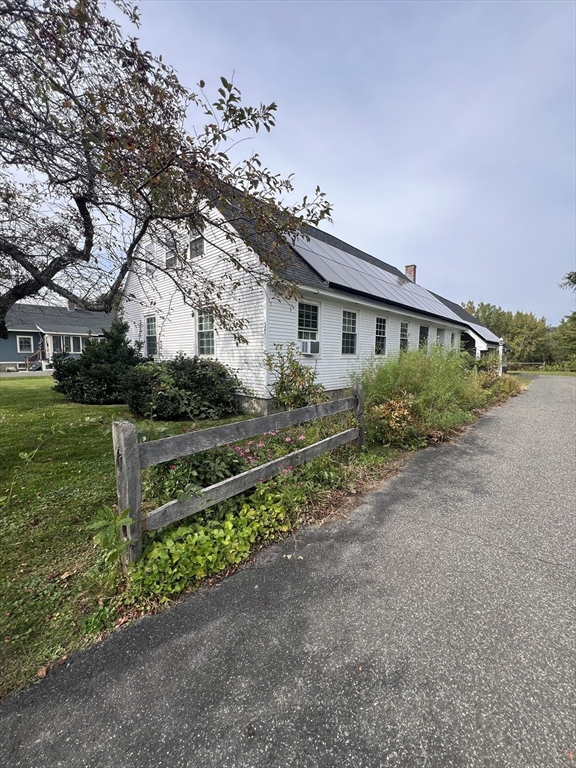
column 176, row 322
column 334, row 368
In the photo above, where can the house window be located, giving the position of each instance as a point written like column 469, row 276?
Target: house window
column 404, row 336
column 67, row 343
column 151, row 338
column 149, row 256
column 76, row 344
column 57, row 343
column 24, row 344
column 380, row 343
column 452, row 340
column 205, row 332
column 171, row 251
column 348, row 333
column 440, row 337
column 423, row 336
column 308, row 321
column 196, row 245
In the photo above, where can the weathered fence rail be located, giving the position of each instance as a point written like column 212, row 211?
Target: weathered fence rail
column 131, row 457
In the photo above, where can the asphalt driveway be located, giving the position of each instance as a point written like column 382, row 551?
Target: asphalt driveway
column 430, row 628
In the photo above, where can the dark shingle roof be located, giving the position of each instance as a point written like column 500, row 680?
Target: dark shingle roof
column 457, row 309
column 32, row 317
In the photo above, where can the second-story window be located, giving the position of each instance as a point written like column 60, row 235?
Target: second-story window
column 170, row 250
column 149, row 256
column 380, row 343
column 307, row 321
column 205, row 332
column 348, row 333
column 196, row 245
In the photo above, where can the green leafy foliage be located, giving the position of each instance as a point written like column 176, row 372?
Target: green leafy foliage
column 295, row 384
column 564, row 341
column 183, row 388
column 192, row 552
column 170, row 480
column 109, row 526
column 97, row 376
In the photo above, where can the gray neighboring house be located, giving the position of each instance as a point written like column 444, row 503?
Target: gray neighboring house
column 36, row 332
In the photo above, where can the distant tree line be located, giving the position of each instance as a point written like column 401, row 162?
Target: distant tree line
column 529, row 337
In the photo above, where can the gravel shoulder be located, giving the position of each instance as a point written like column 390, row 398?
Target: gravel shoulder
column 430, row 628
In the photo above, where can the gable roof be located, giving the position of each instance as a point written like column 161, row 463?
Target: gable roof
column 47, row 319
column 323, row 261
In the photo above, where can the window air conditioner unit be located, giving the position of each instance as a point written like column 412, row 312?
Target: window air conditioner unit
column 308, row 347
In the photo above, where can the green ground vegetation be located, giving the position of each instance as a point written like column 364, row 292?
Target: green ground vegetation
column 59, row 592
column 56, row 474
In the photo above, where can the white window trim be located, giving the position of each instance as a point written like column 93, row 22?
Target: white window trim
column 377, row 335
column 150, row 317
column 349, row 355
column 203, row 354
column 407, row 323
column 313, row 304
column 191, row 240
column 25, row 351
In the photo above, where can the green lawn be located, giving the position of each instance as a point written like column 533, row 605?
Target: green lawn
column 51, row 577
column 531, row 374
column 53, row 586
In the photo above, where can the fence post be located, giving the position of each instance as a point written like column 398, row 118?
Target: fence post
column 358, row 391
column 128, row 484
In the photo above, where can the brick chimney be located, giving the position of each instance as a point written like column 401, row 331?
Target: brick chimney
column 410, row 272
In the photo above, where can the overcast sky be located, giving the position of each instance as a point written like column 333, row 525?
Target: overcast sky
column 442, row 132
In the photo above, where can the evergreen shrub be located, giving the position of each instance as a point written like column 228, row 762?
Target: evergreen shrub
column 183, row 388
column 97, row 376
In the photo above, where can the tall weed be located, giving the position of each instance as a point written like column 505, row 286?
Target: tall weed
column 420, row 396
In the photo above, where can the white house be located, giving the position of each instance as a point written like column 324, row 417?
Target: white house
column 351, row 306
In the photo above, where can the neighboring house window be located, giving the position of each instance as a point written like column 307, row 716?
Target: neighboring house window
column 24, row 344
column 205, row 332
column 196, row 245
column 62, row 343
column 440, row 337
column 404, row 336
column 423, row 336
column 76, row 344
column 452, row 340
column 151, row 338
column 380, row 344
column 308, row 321
column 348, row 333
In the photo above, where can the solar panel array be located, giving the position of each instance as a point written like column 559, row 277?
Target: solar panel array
column 483, row 332
column 342, row 269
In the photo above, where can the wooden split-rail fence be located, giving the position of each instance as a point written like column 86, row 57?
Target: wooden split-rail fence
column 131, row 457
